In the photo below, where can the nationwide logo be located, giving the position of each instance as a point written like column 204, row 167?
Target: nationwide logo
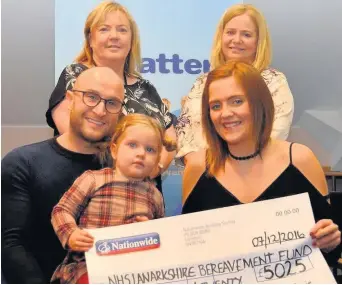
column 127, row 244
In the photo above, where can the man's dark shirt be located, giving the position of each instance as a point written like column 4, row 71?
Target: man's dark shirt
column 33, row 179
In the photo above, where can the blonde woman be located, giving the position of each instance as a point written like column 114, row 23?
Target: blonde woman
column 241, row 34
column 111, row 39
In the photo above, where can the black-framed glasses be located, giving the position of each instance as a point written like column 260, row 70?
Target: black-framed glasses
column 92, row 99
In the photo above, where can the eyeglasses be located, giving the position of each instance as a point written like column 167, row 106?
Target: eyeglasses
column 92, row 99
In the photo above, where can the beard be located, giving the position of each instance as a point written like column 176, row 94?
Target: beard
column 93, row 140
column 79, row 130
column 88, row 138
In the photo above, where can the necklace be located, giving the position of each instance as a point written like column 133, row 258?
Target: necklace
column 244, row 157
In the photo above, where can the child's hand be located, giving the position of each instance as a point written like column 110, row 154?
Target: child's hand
column 140, row 219
column 80, row 240
column 325, row 235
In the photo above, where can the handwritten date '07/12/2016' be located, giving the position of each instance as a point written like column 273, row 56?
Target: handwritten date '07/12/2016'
column 277, row 238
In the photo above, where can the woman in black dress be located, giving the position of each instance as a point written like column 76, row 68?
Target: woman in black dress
column 243, row 164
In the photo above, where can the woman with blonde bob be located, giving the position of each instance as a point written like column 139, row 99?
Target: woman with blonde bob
column 241, row 34
column 243, row 164
column 111, row 39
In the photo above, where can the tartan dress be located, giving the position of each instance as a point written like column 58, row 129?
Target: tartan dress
column 96, row 200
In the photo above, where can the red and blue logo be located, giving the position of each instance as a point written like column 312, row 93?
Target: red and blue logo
column 127, row 244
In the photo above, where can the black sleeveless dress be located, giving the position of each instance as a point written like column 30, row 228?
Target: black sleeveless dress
column 210, row 194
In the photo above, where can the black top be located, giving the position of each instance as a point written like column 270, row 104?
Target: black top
column 33, row 179
column 140, row 97
column 210, row 194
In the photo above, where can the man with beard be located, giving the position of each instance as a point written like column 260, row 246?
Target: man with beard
column 35, row 177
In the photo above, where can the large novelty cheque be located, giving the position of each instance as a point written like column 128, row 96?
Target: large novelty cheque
column 261, row 242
